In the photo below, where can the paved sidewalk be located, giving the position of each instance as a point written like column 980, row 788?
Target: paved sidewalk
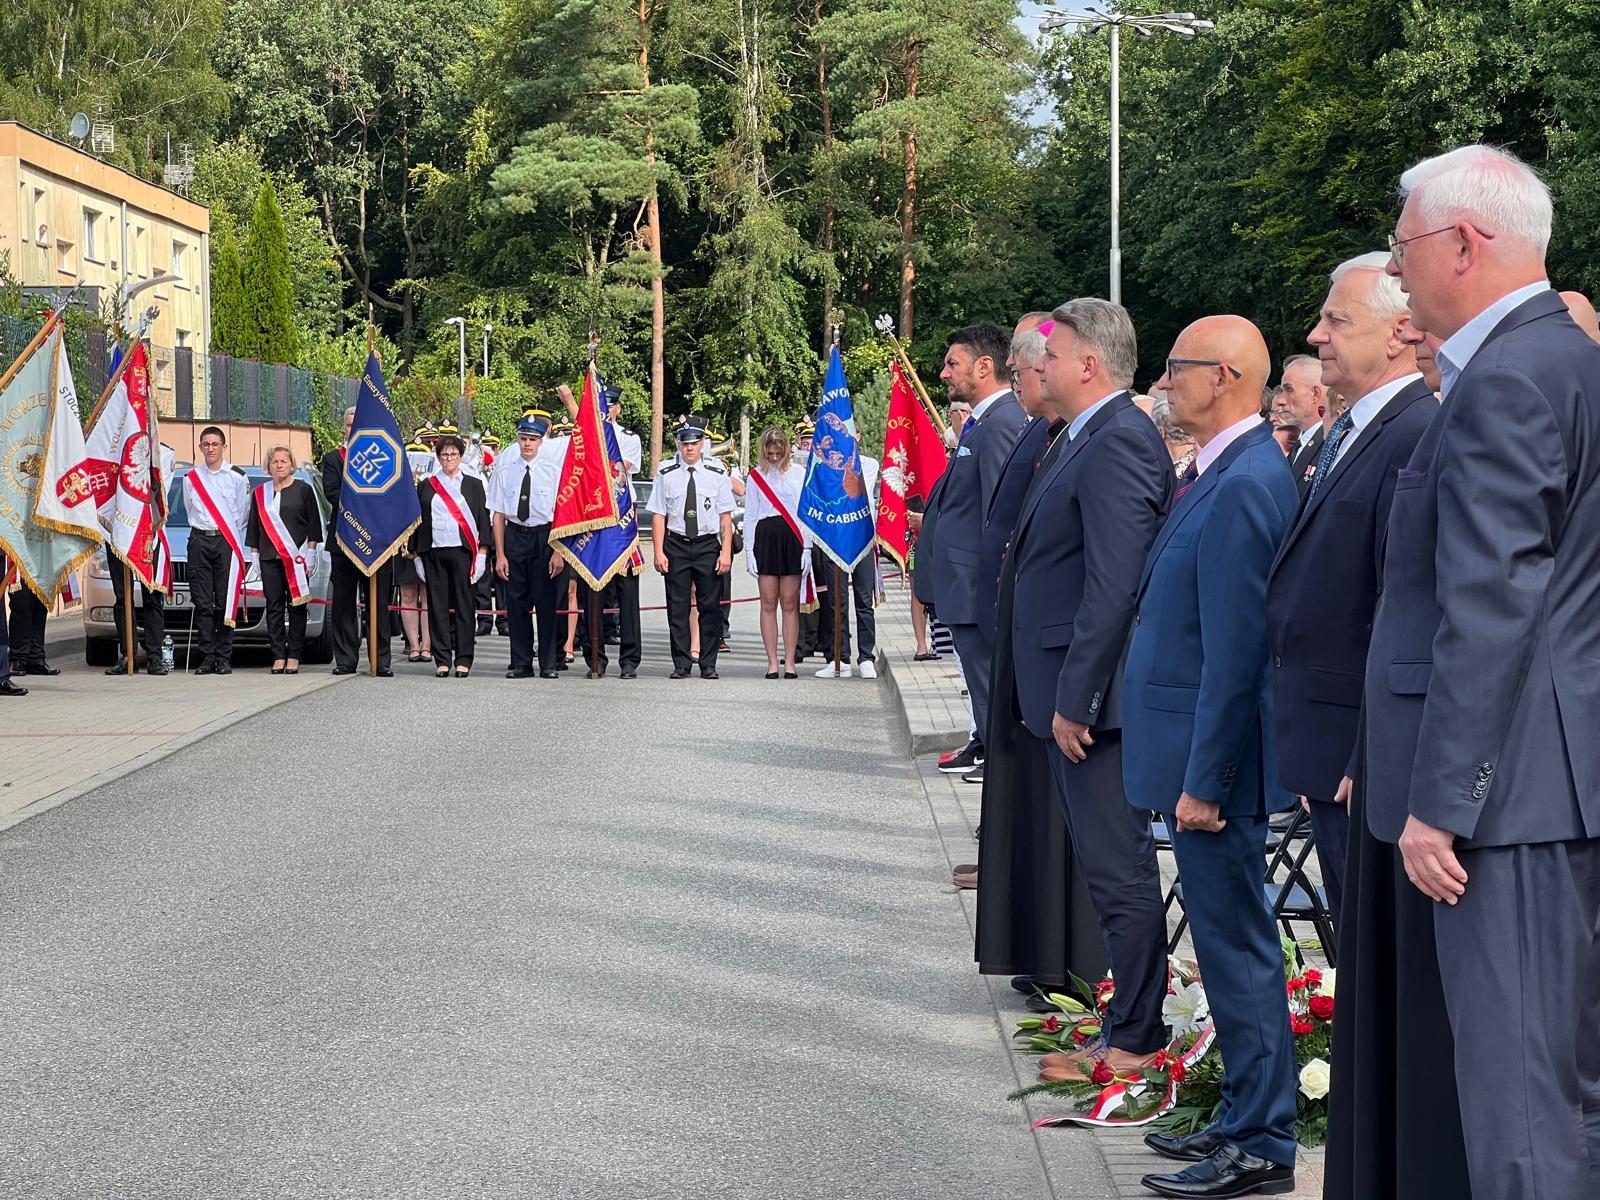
column 927, row 693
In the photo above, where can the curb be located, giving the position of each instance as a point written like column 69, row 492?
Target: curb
column 918, row 743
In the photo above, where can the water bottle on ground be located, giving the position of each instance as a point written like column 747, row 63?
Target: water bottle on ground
column 166, row 652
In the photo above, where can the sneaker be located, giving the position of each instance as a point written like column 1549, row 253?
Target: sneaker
column 959, row 762
column 974, row 776
column 866, row 670
column 828, row 673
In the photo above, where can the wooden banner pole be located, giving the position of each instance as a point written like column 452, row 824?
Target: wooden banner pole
column 372, row 624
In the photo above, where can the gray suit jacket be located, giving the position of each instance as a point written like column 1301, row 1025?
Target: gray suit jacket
column 1483, row 677
column 967, row 486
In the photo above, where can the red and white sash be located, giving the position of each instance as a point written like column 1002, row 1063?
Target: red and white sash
column 294, row 563
column 808, row 587
column 229, row 535
column 469, row 532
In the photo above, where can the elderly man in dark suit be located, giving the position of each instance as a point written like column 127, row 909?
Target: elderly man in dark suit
column 1080, row 543
column 1306, row 399
column 1197, row 719
column 1483, row 678
column 1324, row 584
column 974, row 367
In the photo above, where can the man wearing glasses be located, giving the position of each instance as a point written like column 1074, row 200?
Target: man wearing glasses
column 218, row 500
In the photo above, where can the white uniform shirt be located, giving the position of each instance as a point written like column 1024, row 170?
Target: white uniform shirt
column 630, row 447
column 869, row 480
column 228, row 489
column 543, row 472
column 446, row 532
column 713, row 494
column 788, row 485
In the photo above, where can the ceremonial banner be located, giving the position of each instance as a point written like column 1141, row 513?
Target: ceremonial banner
column 378, row 506
column 834, row 504
column 595, row 529
column 913, row 457
column 45, row 534
column 124, row 466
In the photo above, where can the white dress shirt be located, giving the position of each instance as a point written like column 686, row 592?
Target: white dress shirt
column 713, row 493
column 446, row 532
column 869, row 480
column 629, row 446
column 1369, row 406
column 1083, row 418
column 1457, row 351
column 505, row 483
column 1212, row 450
column 229, row 489
column 787, row 484
column 986, row 403
column 1306, row 435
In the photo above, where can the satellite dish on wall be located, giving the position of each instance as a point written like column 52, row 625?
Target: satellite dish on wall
column 80, row 126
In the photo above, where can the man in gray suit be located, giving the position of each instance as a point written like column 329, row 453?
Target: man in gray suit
column 1483, row 678
column 974, row 370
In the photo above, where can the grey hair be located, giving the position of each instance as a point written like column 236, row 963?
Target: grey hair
column 351, row 411
column 1301, row 360
column 1161, row 414
column 1109, row 330
column 1028, row 348
column 1491, row 188
column 1385, row 297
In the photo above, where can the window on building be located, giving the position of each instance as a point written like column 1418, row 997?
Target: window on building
column 92, row 234
column 179, row 252
column 64, row 262
column 139, row 253
column 183, row 339
column 39, row 216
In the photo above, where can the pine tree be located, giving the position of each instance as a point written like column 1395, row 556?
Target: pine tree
column 268, row 329
column 227, row 294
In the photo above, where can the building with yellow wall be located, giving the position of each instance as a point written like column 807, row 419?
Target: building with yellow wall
column 67, row 218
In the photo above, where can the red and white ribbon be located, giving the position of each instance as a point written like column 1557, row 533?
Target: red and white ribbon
column 290, row 553
column 469, row 532
column 229, row 535
column 808, row 587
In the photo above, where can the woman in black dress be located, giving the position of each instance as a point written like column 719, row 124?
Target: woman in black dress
column 450, row 546
column 776, row 554
column 285, row 519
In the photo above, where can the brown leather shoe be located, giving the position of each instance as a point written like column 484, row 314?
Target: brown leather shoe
column 1123, row 1063
column 966, row 880
column 1068, row 1060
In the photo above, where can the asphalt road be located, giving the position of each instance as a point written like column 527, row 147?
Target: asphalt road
column 484, row 938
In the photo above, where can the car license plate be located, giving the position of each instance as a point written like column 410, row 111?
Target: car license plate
column 178, row 600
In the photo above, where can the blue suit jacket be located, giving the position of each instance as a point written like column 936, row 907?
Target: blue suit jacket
column 1081, row 542
column 1322, row 592
column 1197, row 704
column 968, row 484
column 1483, row 678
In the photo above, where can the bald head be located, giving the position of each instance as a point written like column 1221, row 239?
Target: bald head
column 1219, row 368
column 1583, row 313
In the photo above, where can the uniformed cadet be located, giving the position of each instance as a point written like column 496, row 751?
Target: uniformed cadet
column 522, row 503
column 719, row 450
column 691, row 520
column 419, row 452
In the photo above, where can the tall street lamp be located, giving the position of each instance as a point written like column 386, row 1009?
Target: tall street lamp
column 462, row 416
column 487, row 330
column 1185, row 25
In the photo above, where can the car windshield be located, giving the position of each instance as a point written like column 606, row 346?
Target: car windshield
column 178, row 511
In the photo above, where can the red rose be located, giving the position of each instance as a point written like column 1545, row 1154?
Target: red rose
column 1079, row 1036
column 1296, row 985
column 1160, row 1062
column 1176, row 1071
column 1313, row 976
column 1321, row 1007
column 1300, row 1026
column 1103, row 1074
column 1051, row 1024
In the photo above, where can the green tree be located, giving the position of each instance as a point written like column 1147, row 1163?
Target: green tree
column 228, row 308
column 268, row 328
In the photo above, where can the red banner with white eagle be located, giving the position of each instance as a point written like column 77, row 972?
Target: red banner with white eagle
column 123, row 460
column 913, row 457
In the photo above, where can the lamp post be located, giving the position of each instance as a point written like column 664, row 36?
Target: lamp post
column 463, row 418
column 487, row 330
column 1185, row 25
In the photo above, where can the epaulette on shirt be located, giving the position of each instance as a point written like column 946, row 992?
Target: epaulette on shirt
column 669, row 467
column 711, row 466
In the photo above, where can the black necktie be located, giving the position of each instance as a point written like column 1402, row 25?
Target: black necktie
column 691, row 504
column 523, row 498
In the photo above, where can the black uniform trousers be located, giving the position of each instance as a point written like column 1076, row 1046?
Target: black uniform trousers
column 286, row 623
column 692, row 562
column 452, row 624
column 622, row 593
column 150, row 615
column 209, row 563
column 349, row 589
column 531, row 597
column 27, row 628
column 5, row 639
column 489, row 593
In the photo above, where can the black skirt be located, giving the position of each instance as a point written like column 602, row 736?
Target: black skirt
column 777, row 548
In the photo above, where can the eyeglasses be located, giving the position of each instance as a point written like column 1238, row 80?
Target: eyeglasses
column 1397, row 245
column 1201, row 362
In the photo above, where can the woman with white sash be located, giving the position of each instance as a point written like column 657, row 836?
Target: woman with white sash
column 451, row 546
column 284, row 530
column 778, row 549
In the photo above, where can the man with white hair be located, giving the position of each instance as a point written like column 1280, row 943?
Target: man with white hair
column 1324, row 583
column 1482, row 691
column 1305, row 398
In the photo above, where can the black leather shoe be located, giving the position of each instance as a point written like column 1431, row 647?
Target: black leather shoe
column 158, row 668
column 1186, row 1147
column 7, row 688
column 679, row 675
column 1229, row 1171
column 629, row 675
column 119, row 668
column 1036, row 1003
column 224, row 669
column 343, row 671
column 520, row 673
column 36, row 668
column 385, row 672
column 595, row 674
column 210, row 668
column 549, row 674
column 709, row 675
column 483, row 628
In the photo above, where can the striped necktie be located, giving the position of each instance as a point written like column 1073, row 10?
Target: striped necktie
column 1186, row 481
column 1330, row 451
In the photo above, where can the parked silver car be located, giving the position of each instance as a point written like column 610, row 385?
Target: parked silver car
column 102, row 621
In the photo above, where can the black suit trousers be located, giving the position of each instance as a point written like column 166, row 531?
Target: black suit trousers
column 209, row 563
column 349, row 590
column 621, row 593
column 452, row 620
column 286, row 622
column 692, row 562
column 150, row 614
column 27, row 627
column 531, row 598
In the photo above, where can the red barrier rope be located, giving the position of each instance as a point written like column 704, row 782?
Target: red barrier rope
column 502, row 612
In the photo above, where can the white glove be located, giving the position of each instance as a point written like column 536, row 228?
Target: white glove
column 805, row 560
column 479, row 565
column 750, row 562
column 421, row 573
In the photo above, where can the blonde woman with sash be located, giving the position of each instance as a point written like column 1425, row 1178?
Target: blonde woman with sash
column 777, row 550
column 284, row 530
